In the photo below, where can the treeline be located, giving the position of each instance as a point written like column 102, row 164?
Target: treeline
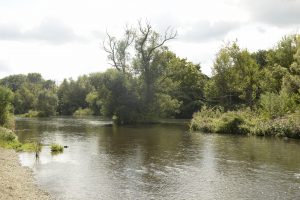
column 178, row 92
column 254, row 93
column 148, row 82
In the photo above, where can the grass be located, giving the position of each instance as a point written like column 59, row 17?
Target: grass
column 56, row 148
column 9, row 140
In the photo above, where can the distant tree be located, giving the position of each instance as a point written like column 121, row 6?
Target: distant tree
column 72, row 95
column 13, row 82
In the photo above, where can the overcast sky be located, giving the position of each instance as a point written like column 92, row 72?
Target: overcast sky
column 62, row 38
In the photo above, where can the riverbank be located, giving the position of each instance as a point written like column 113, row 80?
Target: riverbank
column 16, row 182
column 245, row 122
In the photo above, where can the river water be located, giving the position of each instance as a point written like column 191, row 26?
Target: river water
column 158, row 162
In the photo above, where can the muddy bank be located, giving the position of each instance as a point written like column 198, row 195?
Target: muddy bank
column 16, row 182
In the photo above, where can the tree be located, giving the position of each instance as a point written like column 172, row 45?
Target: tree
column 235, row 78
column 117, row 50
column 119, row 98
column 148, row 44
column 47, row 102
column 184, row 82
column 72, row 94
column 6, row 97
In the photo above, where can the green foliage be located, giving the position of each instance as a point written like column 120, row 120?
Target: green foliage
column 182, row 81
column 72, row 95
column 83, row 112
column 119, row 97
column 47, row 103
column 31, row 114
column 216, row 121
column 31, row 92
column 6, row 97
column 94, row 102
column 230, row 123
column 287, row 126
column 56, row 148
column 204, row 120
column 235, row 78
column 9, row 140
column 7, row 135
column 276, row 105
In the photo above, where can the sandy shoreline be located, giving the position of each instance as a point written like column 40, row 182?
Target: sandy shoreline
column 16, row 182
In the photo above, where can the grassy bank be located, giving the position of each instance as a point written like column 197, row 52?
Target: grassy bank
column 9, row 140
column 245, row 122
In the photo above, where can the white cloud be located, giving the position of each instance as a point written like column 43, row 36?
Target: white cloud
column 63, row 38
column 50, row 30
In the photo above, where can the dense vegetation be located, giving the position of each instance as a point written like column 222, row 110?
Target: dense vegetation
column 248, row 92
column 254, row 93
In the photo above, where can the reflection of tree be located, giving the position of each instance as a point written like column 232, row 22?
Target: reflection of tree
column 144, row 154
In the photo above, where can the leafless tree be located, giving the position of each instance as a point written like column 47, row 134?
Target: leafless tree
column 117, row 50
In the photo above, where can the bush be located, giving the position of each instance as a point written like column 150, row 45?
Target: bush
column 7, row 135
column 204, row 119
column 230, row 123
column 57, row 148
column 31, row 113
column 83, row 112
column 9, row 140
column 287, row 126
column 276, row 105
column 246, row 122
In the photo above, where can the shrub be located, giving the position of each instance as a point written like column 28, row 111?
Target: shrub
column 287, row 126
column 204, row 119
column 83, row 112
column 9, row 140
column 31, row 113
column 7, row 135
column 276, row 105
column 230, row 123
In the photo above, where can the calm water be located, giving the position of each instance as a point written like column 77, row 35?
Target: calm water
column 158, row 162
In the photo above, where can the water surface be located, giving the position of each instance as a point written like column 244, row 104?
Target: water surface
column 158, row 162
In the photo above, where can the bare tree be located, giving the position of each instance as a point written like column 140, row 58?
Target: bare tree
column 118, row 49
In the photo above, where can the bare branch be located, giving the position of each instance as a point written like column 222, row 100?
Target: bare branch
column 168, row 35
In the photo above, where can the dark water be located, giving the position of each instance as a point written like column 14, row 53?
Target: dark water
column 158, row 162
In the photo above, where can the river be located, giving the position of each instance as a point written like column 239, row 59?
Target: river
column 163, row 161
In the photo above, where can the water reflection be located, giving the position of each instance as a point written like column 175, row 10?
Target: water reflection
column 158, row 162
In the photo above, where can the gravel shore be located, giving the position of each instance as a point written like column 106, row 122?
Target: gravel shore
column 16, row 182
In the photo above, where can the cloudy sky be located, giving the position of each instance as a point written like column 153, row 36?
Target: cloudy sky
column 62, row 38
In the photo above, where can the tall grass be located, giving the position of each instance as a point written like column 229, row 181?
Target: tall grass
column 9, row 140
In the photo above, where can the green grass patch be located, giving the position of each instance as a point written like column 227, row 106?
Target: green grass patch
column 56, row 148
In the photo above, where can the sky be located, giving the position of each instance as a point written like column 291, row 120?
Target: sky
column 63, row 38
